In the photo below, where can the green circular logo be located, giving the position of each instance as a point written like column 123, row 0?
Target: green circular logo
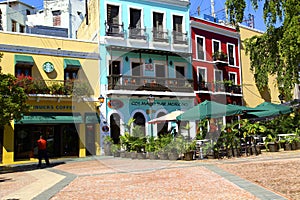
column 48, row 67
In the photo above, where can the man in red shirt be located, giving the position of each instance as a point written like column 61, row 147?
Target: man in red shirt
column 42, row 151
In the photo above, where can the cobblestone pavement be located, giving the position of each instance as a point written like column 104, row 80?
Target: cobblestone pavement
column 120, row 178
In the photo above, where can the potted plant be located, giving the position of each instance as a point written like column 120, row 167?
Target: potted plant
column 190, row 149
column 151, row 148
column 271, row 143
column 116, row 150
column 107, row 142
column 219, row 55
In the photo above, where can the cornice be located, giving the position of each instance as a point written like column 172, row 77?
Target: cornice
column 50, row 52
column 215, row 29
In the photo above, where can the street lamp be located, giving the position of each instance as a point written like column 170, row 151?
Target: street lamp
column 101, row 100
column 151, row 100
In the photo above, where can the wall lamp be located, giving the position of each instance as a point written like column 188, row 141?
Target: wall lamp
column 151, row 100
column 101, row 100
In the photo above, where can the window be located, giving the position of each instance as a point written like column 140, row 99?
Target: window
column 113, row 19
column 135, row 69
column 177, row 23
column 135, row 18
column 158, row 21
column 22, row 71
column 27, row 12
column 56, row 18
column 231, row 54
column 22, row 29
column 200, row 48
column 180, row 72
column 135, row 26
column 13, row 26
column 71, row 74
column 115, row 68
column 158, row 28
column 202, row 75
column 232, row 77
column 216, row 46
column 218, row 75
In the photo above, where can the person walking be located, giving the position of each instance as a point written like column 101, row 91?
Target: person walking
column 42, row 151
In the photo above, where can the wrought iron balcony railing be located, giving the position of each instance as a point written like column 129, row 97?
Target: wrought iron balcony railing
column 119, row 82
column 116, row 30
column 180, row 38
column 219, row 87
column 137, row 33
column 160, row 35
column 55, row 87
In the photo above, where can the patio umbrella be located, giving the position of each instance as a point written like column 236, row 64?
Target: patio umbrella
column 165, row 118
column 210, row 109
column 270, row 109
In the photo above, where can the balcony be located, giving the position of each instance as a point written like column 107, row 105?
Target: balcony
column 55, row 87
column 222, row 87
column 115, row 30
column 119, row 82
column 137, row 33
column 220, row 58
column 160, row 35
column 180, row 38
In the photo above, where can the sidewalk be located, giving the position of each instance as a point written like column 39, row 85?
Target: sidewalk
column 119, row 178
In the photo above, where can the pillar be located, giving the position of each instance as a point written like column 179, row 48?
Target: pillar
column 82, row 149
column 8, row 143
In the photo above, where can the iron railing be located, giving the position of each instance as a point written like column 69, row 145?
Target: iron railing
column 219, row 87
column 160, row 35
column 116, row 30
column 119, row 82
column 137, row 33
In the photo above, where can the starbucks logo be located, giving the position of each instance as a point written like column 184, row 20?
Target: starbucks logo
column 48, row 67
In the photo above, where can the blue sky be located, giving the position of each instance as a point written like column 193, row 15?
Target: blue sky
column 204, row 9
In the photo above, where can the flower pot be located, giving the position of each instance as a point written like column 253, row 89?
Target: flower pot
column 189, row 155
column 133, row 155
column 287, row 147
column 117, row 154
column 141, row 155
column 163, row 156
column 152, row 156
column 273, row 147
column 173, row 156
column 122, row 154
column 297, row 145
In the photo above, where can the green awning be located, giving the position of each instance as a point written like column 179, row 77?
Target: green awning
column 50, row 118
column 71, row 64
column 269, row 109
column 24, row 60
column 210, row 109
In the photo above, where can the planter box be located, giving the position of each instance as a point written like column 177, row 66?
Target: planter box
column 163, row 156
column 122, row 154
column 152, row 156
column 189, row 156
column 273, row 147
column 141, row 156
column 173, row 156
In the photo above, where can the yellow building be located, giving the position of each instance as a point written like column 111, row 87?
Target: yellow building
column 252, row 96
column 61, row 78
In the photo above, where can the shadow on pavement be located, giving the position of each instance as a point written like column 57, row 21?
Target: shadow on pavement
column 26, row 167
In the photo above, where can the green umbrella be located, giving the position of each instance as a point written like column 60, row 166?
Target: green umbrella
column 210, row 109
column 270, row 109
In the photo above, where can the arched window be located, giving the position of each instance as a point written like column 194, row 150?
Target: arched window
column 140, row 121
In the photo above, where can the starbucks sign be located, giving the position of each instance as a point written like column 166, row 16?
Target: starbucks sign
column 48, row 67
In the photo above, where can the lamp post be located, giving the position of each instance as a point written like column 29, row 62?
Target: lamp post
column 151, row 100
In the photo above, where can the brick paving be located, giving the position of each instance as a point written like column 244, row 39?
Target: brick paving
column 121, row 178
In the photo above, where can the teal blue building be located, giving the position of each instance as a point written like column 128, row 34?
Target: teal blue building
column 145, row 50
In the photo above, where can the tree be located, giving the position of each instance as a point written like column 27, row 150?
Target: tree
column 12, row 99
column 277, row 51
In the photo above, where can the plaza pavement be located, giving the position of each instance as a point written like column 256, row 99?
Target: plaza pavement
column 104, row 177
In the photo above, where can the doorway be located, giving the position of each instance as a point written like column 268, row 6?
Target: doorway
column 115, row 123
